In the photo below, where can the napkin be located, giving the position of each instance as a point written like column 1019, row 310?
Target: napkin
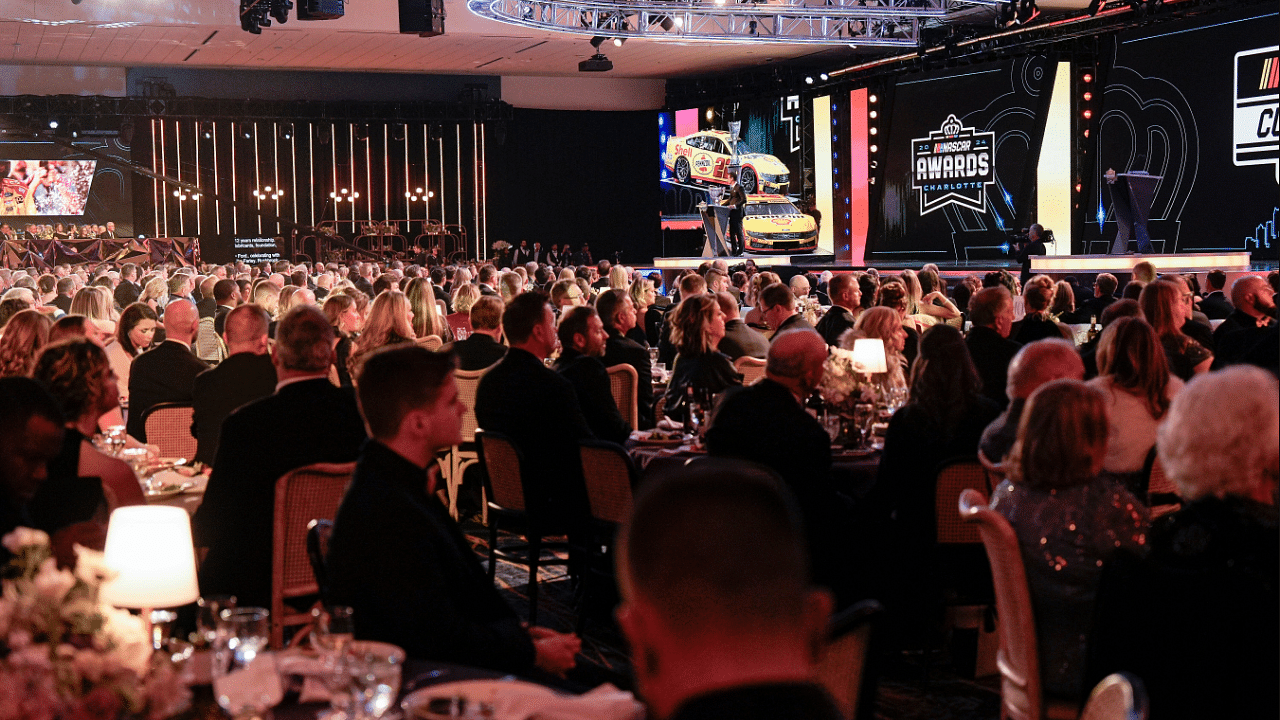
column 669, row 424
column 309, row 668
column 603, row 703
column 259, row 680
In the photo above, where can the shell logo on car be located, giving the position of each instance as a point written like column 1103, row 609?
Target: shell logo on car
column 771, row 224
column 707, row 157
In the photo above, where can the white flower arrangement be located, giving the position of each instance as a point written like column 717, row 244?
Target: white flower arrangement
column 66, row 655
column 844, row 382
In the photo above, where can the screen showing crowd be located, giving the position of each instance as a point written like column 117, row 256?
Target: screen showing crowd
column 45, row 187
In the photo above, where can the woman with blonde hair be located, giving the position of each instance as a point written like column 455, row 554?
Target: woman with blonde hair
column 1165, row 306
column 154, row 293
column 285, row 301
column 1068, row 521
column 25, row 333
column 882, row 323
column 426, row 316
column 697, row 326
column 340, row 309
column 618, row 278
column 390, row 322
column 922, row 307
column 759, row 281
column 644, row 296
column 463, row 298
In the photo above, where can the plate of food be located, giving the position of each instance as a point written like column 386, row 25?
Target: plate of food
column 160, row 492
column 468, row 699
column 659, row 437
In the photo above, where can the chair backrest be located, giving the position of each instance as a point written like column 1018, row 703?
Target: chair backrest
column 431, row 342
column 610, row 476
column 501, row 460
column 208, row 345
column 468, row 381
column 1119, row 696
column 1018, row 658
column 752, row 369
column 955, row 476
column 168, row 426
column 996, row 472
column 624, row 383
column 1162, row 494
column 302, row 495
column 318, row 533
column 842, row 669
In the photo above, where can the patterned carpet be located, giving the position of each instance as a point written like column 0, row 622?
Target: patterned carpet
column 909, row 688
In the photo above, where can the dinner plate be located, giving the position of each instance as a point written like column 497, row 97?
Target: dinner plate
column 659, row 442
column 417, row 704
column 165, row 491
column 854, row 452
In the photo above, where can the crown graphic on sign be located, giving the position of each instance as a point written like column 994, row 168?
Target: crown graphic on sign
column 951, row 126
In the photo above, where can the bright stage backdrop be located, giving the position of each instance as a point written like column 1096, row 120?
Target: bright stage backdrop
column 44, row 184
column 960, row 152
column 1207, row 123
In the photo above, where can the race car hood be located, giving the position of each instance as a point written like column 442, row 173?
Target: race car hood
column 779, row 223
column 763, row 163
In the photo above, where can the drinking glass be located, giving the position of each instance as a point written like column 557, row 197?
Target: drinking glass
column 334, row 627
column 332, row 633
column 831, row 423
column 209, row 615
column 114, row 439
column 462, row 334
column 864, row 414
column 375, row 673
column 245, row 681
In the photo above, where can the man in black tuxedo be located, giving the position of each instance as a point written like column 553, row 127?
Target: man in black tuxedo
column 128, row 290
column 109, row 233
column 438, row 275
column 487, row 279
column 430, row 595
column 523, row 253
column 66, row 288
column 582, row 339
column 1254, row 316
column 846, row 299
column 539, row 255
column 166, row 372
column 207, row 306
column 778, row 306
column 1104, row 293
column 539, row 411
column 991, row 310
column 618, row 314
column 246, row 375
column 481, row 348
column 306, row 421
column 226, row 296
column 1215, row 305
column 739, row 338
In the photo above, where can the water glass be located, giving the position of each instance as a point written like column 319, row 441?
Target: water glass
column 831, row 423
column 245, row 681
column 461, row 334
column 376, row 670
column 208, row 617
column 334, row 628
column 114, row 439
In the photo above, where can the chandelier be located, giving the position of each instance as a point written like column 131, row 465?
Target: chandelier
column 813, row 22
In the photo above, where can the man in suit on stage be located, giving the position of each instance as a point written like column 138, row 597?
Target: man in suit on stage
column 991, row 310
column 109, row 233
column 166, row 372
column 618, row 314
column 535, row 407
column 481, row 348
column 736, row 199
column 307, row 420
column 128, row 290
column 246, row 375
column 523, row 253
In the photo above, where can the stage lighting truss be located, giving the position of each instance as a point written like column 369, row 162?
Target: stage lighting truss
column 812, row 22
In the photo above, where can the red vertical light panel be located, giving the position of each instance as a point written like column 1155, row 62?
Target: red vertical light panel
column 686, row 122
column 859, row 211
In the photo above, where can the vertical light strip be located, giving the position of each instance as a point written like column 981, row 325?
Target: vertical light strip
column 155, row 182
column 483, row 235
column 351, row 153
column 822, row 161
column 311, row 172
column 293, row 166
column 475, row 183
column 177, row 149
column 217, row 192
column 408, row 209
column 457, row 131
column 164, row 170
column 257, row 175
column 426, row 177
column 440, row 150
column 333, row 148
column 275, row 170
column 1053, row 174
column 368, row 175
column 235, row 221
column 195, row 124
column 860, row 173
column 386, row 173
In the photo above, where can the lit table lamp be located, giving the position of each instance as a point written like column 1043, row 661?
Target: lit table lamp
column 150, row 549
column 868, row 356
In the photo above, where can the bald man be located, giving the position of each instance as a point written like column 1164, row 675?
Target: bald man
column 1251, row 322
column 246, row 375
column 166, row 372
column 767, row 423
column 1035, row 364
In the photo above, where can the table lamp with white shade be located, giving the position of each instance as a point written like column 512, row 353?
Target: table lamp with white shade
column 149, row 548
column 868, row 356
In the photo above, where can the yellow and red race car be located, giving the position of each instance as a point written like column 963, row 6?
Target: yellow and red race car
column 771, row 224
column 707, row 157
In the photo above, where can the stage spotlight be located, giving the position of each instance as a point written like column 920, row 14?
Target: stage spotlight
column 617, row 42
column 873, row 131
column 679, row 22
column 872, row 98
column 1088, row 114
column 1088, row 96
column 808, row 80
column 874, row 114
column 1087, row 78
column 597, row 41
column 711, row 114
column 874, row 148
column 53, row 124
column 824, row 77
column 280, row 10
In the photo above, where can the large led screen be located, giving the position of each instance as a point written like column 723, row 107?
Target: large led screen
column 1207, row 125
column 960, row 153
column 45, row 187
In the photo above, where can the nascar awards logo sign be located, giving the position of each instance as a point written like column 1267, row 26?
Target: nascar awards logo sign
column 953, row 166
column 1256, row 126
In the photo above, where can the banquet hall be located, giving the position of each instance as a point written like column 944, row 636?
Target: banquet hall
column 639, row 358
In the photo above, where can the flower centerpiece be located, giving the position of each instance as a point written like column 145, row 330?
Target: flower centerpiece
column 65, row 654
column 846, row 382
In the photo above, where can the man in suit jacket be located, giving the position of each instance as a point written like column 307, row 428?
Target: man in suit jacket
column 487, row 279
column 166, row 372
column 1215, row 305
column 582, row 339
column 846, row 300
column 246, row 375
column 226, row 296
column 128, row 290
column 618, row 315
column 523, row 253
column 207, row 306
column 481, row 348
column 109, row 233
column 66, row 288
column 1104, row 293
column 306, row 421
column 739, row 338
column 539, row 411
column 430, row 596
column 778, row 306
column 991, row 310
column 1254, row 315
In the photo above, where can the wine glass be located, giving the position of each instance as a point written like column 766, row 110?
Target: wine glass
column 376, row 669
column 864, row 414
column 209, row 616
column 245, row 681
column 831, row 423
column 332, row 632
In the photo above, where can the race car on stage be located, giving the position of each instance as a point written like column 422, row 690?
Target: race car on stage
column 708, row 157
column 771, row 224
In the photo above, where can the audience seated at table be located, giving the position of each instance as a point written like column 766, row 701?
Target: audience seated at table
column 166, row 372
column 884, row 324
column 1165, row 304
column 246, row 375
column 482, row 347
column 1035, row 364
column 397, row 558
column 307, row 420
column 582, row 340
column 1037, row 324
column 991, row 350
column 716, row 604
column 24, row 334
column 1194, row 612
column 697, row 326
column 778, row 309
column 846, row 306
column 31, row 436
column 1251, row 324
column 893, row 295
column 1068, row 520
column 740, row 339
column 618, row 311
column 390, row 322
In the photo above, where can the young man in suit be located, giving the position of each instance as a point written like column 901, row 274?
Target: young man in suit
column 307, row 420
column 166, row 372
column 481, row 349
column 582, row 341
column 246, row 375
column 1215, row 305
column 846, row 305
column 128, row 290
column 778, row 306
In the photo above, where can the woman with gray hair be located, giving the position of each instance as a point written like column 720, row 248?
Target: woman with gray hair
column 1196, row 617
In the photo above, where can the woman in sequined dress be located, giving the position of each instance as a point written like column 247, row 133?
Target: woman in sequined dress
column 1068, row 521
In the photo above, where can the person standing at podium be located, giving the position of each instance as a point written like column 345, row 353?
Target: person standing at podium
column 1126, row 214
column 735, row 199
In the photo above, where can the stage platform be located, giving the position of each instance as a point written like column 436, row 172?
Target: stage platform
column 1179, row 263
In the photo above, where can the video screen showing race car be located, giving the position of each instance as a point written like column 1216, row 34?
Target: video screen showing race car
column 45, row 187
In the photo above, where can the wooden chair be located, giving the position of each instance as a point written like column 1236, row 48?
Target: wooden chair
column 431, row 342
column 168, row 426
column 1021, row 695
column 610, row 477
column 459, row 457
column 1119, row 696
column 955, row 476
column 504, row 491
column 843, row 667
column 752, row 369
column 302, row 495
column 1162, row 494
column 624, row 382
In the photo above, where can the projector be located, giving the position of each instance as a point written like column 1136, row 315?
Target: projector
column 596, row 63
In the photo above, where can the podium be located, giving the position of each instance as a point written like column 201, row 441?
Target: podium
column 715, row 220
column 1131, row 197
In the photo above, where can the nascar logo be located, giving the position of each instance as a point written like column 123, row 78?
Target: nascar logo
column 953, row 166
column 1256, row 118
